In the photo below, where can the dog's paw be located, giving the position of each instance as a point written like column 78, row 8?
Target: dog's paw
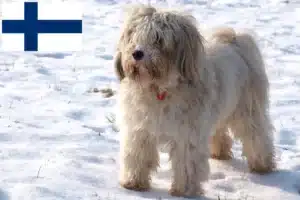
column 135, row 185
column 221, row 156
column 262, row 169
column 187, row 194
column 176, row 193
column 259, row 168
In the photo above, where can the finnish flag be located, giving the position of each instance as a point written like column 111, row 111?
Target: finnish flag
column 41, row 26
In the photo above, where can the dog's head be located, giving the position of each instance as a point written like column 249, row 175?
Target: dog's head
column 159, row 47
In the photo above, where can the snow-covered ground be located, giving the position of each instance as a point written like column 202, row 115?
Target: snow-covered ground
column 56, row 136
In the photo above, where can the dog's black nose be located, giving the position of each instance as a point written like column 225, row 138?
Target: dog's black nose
column 138, row 55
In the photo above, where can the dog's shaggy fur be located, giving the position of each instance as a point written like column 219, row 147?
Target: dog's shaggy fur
column 188, row 93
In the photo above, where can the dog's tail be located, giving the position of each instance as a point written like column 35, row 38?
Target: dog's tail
column 224, row 35
column 246, row 46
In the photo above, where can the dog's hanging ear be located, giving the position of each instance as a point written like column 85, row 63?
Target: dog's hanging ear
column 190, row 50
column 118, row 66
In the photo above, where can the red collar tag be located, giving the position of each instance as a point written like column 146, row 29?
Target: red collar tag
column 161, row 96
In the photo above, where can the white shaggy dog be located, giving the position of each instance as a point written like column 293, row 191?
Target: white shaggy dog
column 178, row 90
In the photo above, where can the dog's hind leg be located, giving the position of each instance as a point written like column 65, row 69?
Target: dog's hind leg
column 251, row 121
column 255, row 133
column 139, row 157
column 252, row 124
column 220, row 144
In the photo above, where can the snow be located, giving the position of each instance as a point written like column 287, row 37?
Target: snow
column 56, row 136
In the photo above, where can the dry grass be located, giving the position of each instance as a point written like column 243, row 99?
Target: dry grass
column 106, row 92
column 111, row 118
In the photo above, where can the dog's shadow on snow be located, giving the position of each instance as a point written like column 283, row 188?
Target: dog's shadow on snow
column 4, row 195
column 285, row 180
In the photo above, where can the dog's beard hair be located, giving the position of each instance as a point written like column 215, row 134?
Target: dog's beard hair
column 154, row 68
column 157, row 62
column 159, row 68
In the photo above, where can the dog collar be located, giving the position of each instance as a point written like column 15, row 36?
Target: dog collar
column 161, row 96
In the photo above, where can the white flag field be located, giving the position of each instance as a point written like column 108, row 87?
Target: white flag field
column 46, row 42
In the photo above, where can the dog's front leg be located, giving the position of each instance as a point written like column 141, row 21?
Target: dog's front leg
column 190, row 167
column 139, row 156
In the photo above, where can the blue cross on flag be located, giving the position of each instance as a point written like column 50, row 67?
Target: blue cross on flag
column 41, row 26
